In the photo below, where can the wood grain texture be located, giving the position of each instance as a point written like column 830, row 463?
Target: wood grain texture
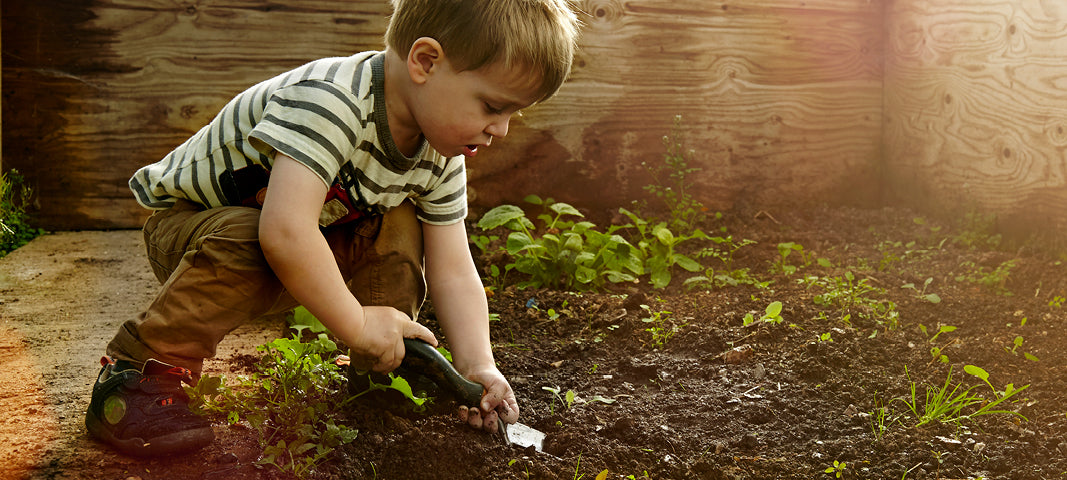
column 781, row 100
column 976, row 108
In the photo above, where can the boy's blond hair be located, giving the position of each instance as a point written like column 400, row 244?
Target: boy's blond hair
column 538, row 35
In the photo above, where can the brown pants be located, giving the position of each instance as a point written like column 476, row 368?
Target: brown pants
column 215, row 277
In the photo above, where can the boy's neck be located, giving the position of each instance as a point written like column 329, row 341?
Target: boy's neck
column 405, row 132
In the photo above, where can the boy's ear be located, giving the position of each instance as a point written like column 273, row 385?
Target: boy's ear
column 424, row 59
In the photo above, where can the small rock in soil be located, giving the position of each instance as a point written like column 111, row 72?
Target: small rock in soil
column 739, row 354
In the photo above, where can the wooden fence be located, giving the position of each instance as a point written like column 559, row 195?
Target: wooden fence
column 935, row 103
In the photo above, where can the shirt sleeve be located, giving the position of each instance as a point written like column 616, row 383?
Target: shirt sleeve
column 445, row 202
column 313, row 122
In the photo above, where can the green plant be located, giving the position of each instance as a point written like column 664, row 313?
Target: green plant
column 946, row 404
column 826, row 337
column 724, row 248
column 291, row 401
column 563, row 253
column 1056, row 302
column 978, row 231
column 1018, row 342
column 772, row 314
column 661, row 333
column 565, row 400
column 671, row 183
column 880, row 421
column 15, row 195
column 993, row 280
column 921, row 294
column 940, row 330
column 785, row 249
column 659, row 248
column 838, row 469
column 855, row 298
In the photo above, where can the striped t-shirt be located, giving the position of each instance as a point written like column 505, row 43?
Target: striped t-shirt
column 328, row 115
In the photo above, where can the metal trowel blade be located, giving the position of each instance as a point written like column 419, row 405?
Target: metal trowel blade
column 524, row 436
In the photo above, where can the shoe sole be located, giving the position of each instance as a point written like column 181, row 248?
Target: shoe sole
column 177, row 442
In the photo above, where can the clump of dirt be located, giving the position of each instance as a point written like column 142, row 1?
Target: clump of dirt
column 717, row 400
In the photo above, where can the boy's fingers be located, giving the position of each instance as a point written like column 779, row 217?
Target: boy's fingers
column 474, row 418
column 417, row 330
column 489, row 422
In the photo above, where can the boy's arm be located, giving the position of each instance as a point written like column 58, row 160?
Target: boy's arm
column 459, row 300
column 299, row 255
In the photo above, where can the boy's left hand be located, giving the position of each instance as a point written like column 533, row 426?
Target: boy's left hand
column 498, row 401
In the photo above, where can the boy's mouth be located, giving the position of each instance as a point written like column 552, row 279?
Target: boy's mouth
column 470, row 150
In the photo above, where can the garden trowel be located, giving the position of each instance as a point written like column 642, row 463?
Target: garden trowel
column 423, row 358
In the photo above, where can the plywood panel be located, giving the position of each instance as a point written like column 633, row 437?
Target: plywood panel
column 976, row 107
column 780, row 100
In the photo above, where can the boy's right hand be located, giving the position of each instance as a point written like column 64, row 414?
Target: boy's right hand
column 380, row 345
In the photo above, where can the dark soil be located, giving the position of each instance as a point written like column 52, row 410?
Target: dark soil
column 718, row 400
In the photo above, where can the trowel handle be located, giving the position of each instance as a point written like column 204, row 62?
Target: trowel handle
column 424, row 358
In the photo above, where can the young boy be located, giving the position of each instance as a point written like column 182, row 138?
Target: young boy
column 339, row 186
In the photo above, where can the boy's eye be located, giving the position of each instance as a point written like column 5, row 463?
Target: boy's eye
column 493, row 110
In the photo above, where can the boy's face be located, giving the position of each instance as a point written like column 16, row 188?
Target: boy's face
column 459, row 112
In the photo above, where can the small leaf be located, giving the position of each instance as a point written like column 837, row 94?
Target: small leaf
column 774, row 309
column 977, row 371
column 565, row 209
column 500, row 216
column 602, row 475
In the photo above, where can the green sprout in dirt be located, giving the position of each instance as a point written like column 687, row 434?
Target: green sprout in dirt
column 787, row 249
column 838, row 469
column 921, row 294
column 855, row 298
column 978, row 231
column 671, row 183
column 1056, row 302
column 570, row 398
column 772, row 314
column 293, row 400
column 563, row 253
column 936, row 352
column 15, row 196
column 723, row 249
column 659, row 248
column 658, row 327
column 993, row 280
column 950, row 403
column 1018, row 342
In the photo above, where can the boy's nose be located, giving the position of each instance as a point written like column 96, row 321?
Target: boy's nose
column 498, row 128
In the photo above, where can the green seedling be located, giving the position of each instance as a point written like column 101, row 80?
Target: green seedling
column 672, row 180
column 772, row 314
column 661, row 332
column 291, row 400
column 825, row 337
column 566, row 399
column 854, row 297
column 659, row 247
column 947, row 404
column 838, row 469
column 921, row 294
column 1056, row 302
column 563, row 253
column 993, row 280
column 942, row 329
column 15, row 196
column 1018, row 342
column 785, row 249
